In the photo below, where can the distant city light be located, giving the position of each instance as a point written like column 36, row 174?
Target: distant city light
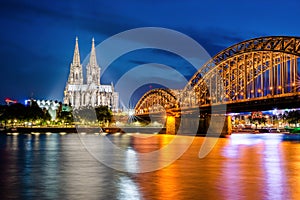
column 131, row 112
column 10, row 101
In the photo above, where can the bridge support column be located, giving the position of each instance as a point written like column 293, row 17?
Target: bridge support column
column 220, row 123
column 227, row 127
column 189, row 126
column 171, row 125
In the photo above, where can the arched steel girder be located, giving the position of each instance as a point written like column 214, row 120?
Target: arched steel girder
column 269, row 63
column 244, row 76
column 281, row 44
column 156, row 96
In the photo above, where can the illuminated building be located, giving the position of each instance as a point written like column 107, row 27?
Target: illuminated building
column 89, row 92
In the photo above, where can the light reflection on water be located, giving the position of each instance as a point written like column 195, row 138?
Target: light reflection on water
column 56, row 166
column 258, row 160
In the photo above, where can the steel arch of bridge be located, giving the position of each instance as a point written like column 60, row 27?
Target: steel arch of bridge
column 156, row 100
column 259, row 68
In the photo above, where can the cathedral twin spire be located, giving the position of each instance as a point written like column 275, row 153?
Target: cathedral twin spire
column 93, row 59
column 93, row 70
column 75, row 76
column 76, row 56
column 81, row 93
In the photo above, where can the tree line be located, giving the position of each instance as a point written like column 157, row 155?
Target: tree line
column 20, row 114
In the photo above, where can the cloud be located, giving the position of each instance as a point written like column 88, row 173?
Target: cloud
column 91, row 17
column 212, row 39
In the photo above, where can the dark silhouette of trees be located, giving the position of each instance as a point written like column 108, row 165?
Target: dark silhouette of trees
column 67, row 117
column 103, row 114
column 33, row 113
column 257, row 119
column 23, row 113
column 89, row 114
column 293, row 117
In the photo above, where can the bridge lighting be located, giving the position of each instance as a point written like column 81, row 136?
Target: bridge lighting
column 261, row 81
column 130, row 113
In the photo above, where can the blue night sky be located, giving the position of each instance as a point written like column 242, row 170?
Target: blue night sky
column 37, row 37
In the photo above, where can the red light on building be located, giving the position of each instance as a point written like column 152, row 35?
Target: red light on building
column 10, row 101
column 256, row 115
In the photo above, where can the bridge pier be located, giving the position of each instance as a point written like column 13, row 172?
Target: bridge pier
column 219, row 125
column 171, row 125
column 200, row 126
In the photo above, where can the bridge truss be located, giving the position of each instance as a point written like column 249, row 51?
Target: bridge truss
column 266, row 67
column 157, row 100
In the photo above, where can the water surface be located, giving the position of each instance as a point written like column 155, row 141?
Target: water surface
column 60, row 167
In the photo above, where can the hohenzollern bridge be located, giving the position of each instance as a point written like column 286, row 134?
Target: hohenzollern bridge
column 257, row 74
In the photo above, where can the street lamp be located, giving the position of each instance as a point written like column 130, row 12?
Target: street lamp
column 259, row 90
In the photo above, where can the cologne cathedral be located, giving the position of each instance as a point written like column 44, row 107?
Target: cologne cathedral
column 80, row 92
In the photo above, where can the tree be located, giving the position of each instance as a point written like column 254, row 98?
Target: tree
column 293, row 117
column 103, row 114
column 34, row 112
column 259, row 120
column 23, row 113
column 67, row 116
column 15, row 111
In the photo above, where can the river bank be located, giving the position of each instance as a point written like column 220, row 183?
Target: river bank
column 84, row 130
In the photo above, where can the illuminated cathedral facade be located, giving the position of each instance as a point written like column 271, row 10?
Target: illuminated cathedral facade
column 80, row 92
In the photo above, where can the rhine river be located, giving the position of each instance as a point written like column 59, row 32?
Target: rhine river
column 243, row 166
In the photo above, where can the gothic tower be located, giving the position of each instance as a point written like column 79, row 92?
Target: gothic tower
column 75, row 76
column 80, row 93
column 92, row 68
